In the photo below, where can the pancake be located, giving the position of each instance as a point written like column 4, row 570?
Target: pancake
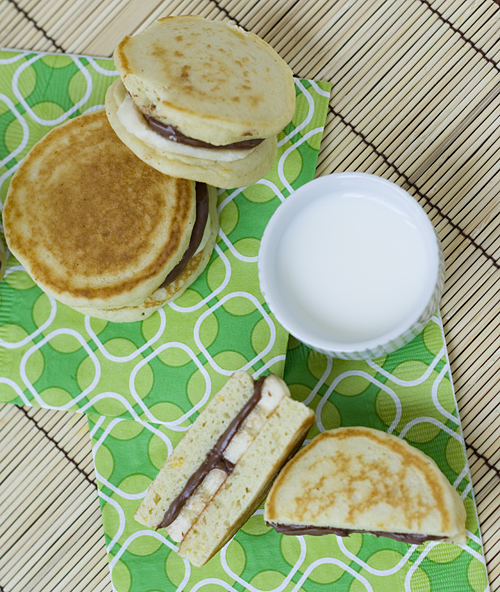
column 201, row 99
column 363, row 480
column 163, row 295
column 237, row 173
column 92, row 224
column 219, row 473
column 211, row 79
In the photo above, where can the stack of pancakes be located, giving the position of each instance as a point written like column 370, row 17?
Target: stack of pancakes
column 98, row 229
column 110, row 213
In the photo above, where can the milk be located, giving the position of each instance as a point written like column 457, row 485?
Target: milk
column 353, row 267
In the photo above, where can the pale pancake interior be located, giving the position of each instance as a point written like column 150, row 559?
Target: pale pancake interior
column 243, row 490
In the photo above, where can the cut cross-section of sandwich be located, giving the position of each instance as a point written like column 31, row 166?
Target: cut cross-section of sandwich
column 223, row 467
column 363, row 480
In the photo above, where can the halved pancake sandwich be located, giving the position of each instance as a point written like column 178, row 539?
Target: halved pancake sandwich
column 219, row 473
column 358, row 479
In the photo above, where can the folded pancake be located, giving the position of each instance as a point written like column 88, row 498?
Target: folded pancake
column 201, row 99
column 219, row 473
column 363, row 480
column 93, row 225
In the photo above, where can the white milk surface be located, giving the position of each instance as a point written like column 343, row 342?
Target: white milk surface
column 352, row 267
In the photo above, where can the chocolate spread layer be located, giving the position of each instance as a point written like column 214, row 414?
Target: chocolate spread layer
column 403, row 537
column 196, row 234
column 215, row 458
column 170, row 132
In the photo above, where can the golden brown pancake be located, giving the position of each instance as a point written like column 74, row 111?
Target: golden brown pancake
column 358, row 479
column 215, row 81
column 93, row 224
column 163, row 295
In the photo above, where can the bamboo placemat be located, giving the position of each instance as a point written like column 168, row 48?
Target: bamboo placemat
column 416, row 86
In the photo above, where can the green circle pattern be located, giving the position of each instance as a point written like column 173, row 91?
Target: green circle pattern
column 222, row 321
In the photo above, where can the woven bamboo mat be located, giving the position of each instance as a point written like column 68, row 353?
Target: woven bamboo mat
column 416, row 88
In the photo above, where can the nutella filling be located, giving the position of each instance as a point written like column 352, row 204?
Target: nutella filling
column 215, row 458
column 196, row 234
column 403, row 537
column 170, row 132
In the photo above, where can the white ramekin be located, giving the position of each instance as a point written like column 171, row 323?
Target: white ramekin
column 359, row 184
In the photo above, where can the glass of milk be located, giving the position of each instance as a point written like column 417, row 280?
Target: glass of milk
column 350, row 264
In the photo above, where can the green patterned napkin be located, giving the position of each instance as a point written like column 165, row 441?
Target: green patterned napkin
column 408, row 393
column 162, row 369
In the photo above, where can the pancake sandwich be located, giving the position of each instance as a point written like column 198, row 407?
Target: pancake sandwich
column 363, row 480
column 202, row 100
column 219, row 473
column 102, row 232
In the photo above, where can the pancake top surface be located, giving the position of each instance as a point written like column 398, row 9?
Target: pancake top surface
column 359, row 478
column 214, row 81
column 90, row 221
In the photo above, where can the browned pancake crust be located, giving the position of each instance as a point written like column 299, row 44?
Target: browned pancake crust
column 380, row 482
column 162, row 296
column 91, row 221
